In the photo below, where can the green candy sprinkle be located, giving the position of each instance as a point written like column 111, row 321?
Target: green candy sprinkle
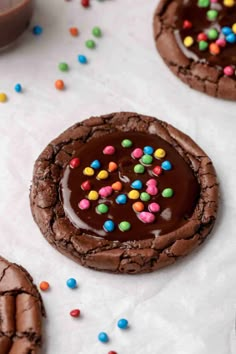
column 139, row 168
column 63, row 67
column 212, row 15
column 102, row 209
column 212, row 33
column 126, row 143
column 124, row 226
column 203, row 3
column 202, row 45
column 167, row 193
column 90, row 44
column 147, row 159
column 97, row 32
column 145, row 197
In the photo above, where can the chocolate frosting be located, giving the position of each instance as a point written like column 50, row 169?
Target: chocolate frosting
column 15, row 16
column 190, row 11
column 174, row 211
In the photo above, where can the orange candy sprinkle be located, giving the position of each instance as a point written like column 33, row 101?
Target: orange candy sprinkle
column 59, row 84
column 117, row 186
column 214, row 49
column 44, row 285
column 74, row 31
column 112, row 167
column 138, row 206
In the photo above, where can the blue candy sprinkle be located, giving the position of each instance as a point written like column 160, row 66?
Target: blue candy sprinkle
column 71, row 283
column 166, row 165
column 122, row 323
column 137, row 184
column 148, row 150
column 230, row 38
column 121, row 199
column 109, row 226
column 37, row 30
column 18, row 88
column 103, row 337
column 95, row 164
column 82, row 59
column 226, row 30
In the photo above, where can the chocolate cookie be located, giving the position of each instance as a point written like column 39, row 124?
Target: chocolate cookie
column 124, row 193
column 197, row 40
column 21, row 311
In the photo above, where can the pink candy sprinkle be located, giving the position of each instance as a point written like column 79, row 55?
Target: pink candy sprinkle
column 105, row 191
column 151, row 182
column 228, row 71
column 146, row 217
column 109, row 150
column 221, row 42
column 154, row 207
column 214, row 1
column 152, row 190
column 137, row 153
column 84, row 204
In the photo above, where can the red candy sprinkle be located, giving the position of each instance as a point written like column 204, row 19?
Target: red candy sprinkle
column 85, row 3
column 202, row 37
column 187, row 24
column 86, row 186
column 75, row 162
column 157, row 170
column 75, row 313
column 112, row 352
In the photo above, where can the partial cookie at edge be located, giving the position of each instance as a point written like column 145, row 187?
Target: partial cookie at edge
column 21, row 311
column 198, row 75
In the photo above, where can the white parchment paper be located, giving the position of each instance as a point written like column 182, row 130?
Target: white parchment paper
column 188, row 308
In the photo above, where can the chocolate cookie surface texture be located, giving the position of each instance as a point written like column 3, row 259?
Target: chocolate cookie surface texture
column 21, row 311
column 124, row 193
column 197, row 40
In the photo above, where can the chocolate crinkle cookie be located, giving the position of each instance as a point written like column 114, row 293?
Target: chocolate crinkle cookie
column 124, row 193
column 197, row 41
column 21, row 311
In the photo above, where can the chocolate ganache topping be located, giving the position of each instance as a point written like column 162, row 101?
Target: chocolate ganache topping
column 128, row 186
column 206, row 31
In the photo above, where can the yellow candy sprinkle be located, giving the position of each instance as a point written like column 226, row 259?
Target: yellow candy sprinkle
column 3, row 97
column 229, row 3
column 93, row 195
column 159, row 154
column 234, row 28
column 88, row 171
column 133, row 194
column 188, row 41
column 103, row 174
